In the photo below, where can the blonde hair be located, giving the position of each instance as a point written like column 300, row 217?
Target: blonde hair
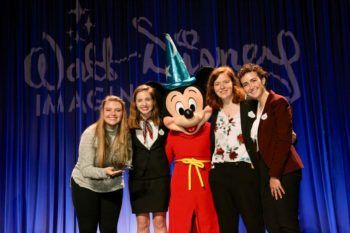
column 135, row 116
column 119, row 148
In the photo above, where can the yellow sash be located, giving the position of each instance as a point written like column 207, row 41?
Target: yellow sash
column 197, row 164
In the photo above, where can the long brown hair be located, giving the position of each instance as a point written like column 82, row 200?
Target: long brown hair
column 119, row 148
column 212, row 99
column 135, row 116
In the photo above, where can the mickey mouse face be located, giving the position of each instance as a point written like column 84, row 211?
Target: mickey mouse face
column 184, row 104
column 186, row 110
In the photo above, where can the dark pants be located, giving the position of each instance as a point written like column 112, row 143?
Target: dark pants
column 235, row 190
column 280, row 216
column 94, row 209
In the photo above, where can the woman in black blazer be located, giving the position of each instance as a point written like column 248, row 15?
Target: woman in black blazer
column 233, row 177
column 149, row 179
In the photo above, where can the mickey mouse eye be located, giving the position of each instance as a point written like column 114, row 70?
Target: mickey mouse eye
column 192, row 103
column 180, row 108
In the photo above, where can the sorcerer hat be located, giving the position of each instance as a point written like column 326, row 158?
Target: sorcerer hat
column 176, row 71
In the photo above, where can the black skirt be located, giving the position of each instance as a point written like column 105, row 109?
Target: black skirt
column 149, row 196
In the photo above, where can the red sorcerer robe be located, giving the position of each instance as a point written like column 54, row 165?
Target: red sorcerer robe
column 190, row 191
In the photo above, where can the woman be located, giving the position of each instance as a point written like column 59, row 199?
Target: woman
column 233, row 177
column 97, row 180
column 279, row 164
column 149, row 180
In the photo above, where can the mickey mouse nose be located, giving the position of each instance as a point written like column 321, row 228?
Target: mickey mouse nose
column 188, row 113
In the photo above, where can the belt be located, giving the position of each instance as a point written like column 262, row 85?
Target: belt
column 197, row 163
column 234, row 164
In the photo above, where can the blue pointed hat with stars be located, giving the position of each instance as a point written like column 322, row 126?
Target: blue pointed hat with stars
column 176, row 72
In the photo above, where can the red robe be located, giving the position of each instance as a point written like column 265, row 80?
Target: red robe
column 198, row 202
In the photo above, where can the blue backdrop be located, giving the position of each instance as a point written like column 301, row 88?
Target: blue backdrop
column 60, row 58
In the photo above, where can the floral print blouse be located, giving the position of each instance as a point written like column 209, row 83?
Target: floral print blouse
column 229, row 141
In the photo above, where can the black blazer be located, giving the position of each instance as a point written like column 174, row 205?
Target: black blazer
column 246, row 123
column 149, row 163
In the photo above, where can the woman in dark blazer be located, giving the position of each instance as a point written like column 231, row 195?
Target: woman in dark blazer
column 279, row 164
column 149, row 181
column 233, row 178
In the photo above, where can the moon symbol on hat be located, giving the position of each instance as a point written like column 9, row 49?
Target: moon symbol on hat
column 174, row 48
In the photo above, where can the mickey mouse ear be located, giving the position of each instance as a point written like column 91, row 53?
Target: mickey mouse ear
column 204, row 72
column 160, row 93
column 158, row 88
column 202, row 75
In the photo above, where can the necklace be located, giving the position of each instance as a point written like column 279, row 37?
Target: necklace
column 231, row 110
column 227, row 113
column 260, row 108
column 261, row 104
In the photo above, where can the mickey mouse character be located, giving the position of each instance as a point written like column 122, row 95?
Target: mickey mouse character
column 191, row 207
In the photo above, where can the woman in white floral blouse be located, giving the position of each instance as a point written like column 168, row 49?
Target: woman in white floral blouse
column 233, row 177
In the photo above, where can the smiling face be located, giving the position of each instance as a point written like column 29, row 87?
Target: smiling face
column 223, row 87
column 144, row 104
column 112, row 113
column 253, row 85
column 186, row 110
